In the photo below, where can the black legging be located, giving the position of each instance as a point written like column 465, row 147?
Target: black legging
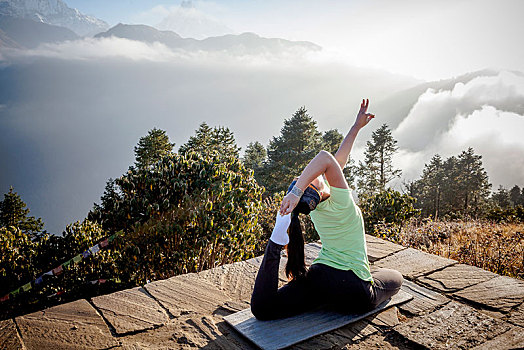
column 323, row 284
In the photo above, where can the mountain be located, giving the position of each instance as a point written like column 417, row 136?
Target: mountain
column 54, row 12
column 246, row 43
column 19, row 33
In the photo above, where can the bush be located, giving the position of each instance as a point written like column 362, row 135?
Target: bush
column 387, row 207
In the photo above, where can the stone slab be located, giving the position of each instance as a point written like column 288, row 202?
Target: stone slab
column 9, row 338
column 186, row 294
column 379, row 248
column 311, row 251
column 512, row 339
column 131, row 310
column 457, row 277
column 414, row 263
column 281, row 333
column 516, row 315
column 424, row 300
column 500, row 293
column 75, row 325
column 453, row 326
column 236, row 280
column 384, row 341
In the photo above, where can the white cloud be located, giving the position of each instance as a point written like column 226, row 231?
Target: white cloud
column 486, row 114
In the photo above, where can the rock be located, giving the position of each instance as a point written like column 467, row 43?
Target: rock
column 385, row 319
column 516, row 316
column 500, row 293
column 53, row 328
column 424, row 300
column 186, row 294
column 131, row 310
column 456, row 277
column 9, row 338
column 414, row 263
column 236, row 280
column 380, row 248
column 512, row 339
column 454, row 326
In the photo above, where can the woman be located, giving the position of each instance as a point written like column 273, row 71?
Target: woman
column 340, row 277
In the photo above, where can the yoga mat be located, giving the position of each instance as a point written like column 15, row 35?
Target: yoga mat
column 278, row 334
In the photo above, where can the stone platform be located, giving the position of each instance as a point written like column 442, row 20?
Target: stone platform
column 454, row 306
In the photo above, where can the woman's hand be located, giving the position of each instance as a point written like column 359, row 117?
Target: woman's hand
column 363, row 117
column 289, row 203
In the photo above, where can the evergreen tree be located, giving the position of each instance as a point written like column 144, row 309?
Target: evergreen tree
column 255, row 155
column 377, row 169
column 289, row 153
column 13, row 212
column 474, row 183
column 515, row 196
column 152, row 147
column 428, row 190
column 502, row 197
column 207, row 140
column 332, row 140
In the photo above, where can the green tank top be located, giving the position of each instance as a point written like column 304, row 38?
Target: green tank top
column 339, row 223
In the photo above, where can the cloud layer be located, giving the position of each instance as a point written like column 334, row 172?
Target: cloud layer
column 487, row 114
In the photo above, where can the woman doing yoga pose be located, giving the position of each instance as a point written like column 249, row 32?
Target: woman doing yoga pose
column 340, row 277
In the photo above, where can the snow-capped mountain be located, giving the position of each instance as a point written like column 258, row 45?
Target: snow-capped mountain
column 54, row 12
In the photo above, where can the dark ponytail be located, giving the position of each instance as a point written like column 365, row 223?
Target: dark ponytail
column 296, row 264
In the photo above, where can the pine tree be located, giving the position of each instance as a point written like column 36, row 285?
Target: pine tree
column 207, row 139
column 152, row 147
column 332, row 140
column 13, row 212
column 515, row 196
column 473, row 180
column 289, row 153
column 502, row 197
column 377, row 170
column 255, row 155
column 428, row 190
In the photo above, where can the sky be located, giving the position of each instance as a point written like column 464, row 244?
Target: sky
column 429, row 40
column 71, row 112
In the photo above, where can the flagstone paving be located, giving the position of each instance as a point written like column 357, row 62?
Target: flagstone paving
column 454, row 306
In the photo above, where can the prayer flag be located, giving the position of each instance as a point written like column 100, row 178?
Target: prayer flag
column 67, row 263
column 104, row 243
column 4, row 298
column 86, row 253
column 77, row 258
column 102, row 280
column 94, row 249
column 58, row 270
column 26, row 287
column 15, row 292
column 39, row 280
column 49, row 273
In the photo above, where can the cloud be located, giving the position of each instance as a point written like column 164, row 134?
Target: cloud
column 486, row 114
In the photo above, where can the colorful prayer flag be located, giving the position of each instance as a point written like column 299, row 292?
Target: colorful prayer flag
column 102, row 280
column 104, row 243
column 94, row 249
column 67, row 263
column 26, row 287
column 58, row 270
column 4, row 298
column 39, row 280
column 49, row 273
column 15, row 292
column 77, row 258
column 86, row 254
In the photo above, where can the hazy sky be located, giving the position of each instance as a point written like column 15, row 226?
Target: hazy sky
column 425, row 39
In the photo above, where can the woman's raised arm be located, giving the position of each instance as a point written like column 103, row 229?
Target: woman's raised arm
column 362, row 120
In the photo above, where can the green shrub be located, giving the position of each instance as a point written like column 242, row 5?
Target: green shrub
column 389, row 208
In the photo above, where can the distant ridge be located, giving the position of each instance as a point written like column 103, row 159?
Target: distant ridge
column 246, row 43
column 20, row 33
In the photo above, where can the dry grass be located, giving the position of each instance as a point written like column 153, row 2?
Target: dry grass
column 497, row 247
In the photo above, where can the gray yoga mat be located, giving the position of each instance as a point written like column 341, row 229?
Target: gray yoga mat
column 278, row 334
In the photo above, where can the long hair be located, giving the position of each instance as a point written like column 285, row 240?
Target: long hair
column 296, row 264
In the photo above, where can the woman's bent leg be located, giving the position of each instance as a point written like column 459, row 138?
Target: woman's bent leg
column 387, row 283
column 268, row 301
